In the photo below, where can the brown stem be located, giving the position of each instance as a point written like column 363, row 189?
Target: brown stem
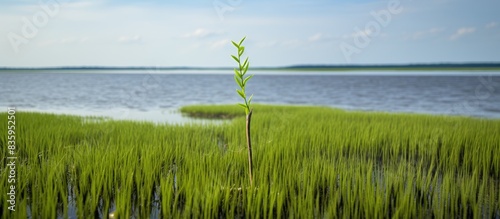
column 249, row 144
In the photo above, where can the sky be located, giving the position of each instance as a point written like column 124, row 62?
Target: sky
column 45, row 33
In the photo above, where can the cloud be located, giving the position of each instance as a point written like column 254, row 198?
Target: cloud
column 291, row 43
column 81, row 4
column 130, row 39
column 426, row 33
column 316, row 37
column 359, row 33
column 364, row 33
column 462, row 32
column 491, row 25
column 219, row 43
column 323, row 38
column 64, row 41
column 266, row 44
column 47, row 43
column 74, row 40
column 201, row 33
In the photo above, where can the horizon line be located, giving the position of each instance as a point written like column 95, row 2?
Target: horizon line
column 296, row 66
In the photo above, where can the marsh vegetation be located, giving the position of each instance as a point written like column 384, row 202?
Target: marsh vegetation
column 308, row 162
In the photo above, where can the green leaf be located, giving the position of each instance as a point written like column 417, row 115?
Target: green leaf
column 238, row 73
column 235, row 58
column 241, row 94
column 246, row 79
column 242, row 105
column 245, row 69
column 250, row 99
column 237, row 46
column 246, row 111
column 240, row 77
column 238, row 80
column 241, row 50
column 242, row 41
column 246, row 62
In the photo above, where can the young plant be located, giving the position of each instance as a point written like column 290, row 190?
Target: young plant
column 241, row 80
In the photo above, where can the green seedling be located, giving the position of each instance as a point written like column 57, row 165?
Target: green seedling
column 241, row 80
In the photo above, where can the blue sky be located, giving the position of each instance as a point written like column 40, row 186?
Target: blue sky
column 279, row 33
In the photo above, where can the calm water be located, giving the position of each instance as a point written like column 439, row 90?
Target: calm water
column 156, row 97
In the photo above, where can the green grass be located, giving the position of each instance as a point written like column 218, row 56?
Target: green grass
column 308, row 162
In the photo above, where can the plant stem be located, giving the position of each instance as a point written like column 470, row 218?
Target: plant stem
column 249, row 145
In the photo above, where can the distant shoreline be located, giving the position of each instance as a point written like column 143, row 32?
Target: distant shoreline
column 314, row 68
